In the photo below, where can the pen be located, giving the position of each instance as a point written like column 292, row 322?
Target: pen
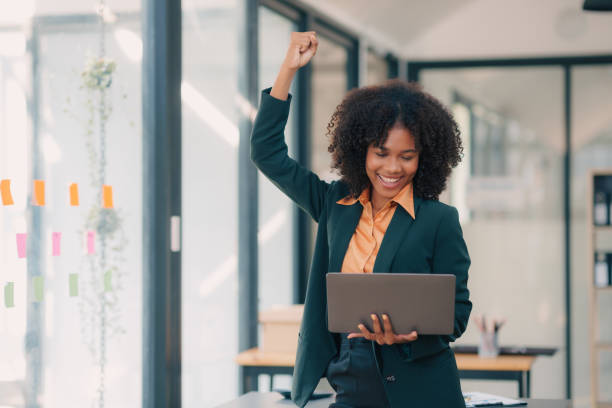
column 499, row 323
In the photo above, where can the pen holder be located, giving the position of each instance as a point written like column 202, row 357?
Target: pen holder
column 488, row 347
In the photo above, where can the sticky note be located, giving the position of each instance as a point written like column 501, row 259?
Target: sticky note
column 57, row 239
column 73, row 284
column 38, row 284
column 74, row 194
column 9, row 294
column 91, row 238
column 5, row 192
column 107, row 196
column 21, row 245
column 107, row 281
column 39, row 192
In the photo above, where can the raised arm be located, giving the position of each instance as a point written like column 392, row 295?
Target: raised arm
column 268, row 148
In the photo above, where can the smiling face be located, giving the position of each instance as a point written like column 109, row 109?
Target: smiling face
column 391, row 166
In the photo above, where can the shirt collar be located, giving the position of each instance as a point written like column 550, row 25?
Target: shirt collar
column 405, row 198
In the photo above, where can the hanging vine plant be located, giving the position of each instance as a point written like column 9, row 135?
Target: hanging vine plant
column 101, row 271
column 98, row 74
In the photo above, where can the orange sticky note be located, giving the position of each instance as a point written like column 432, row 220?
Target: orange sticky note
column 107, row 196
column 74, row 194
column 5, row 190
column 39, row 192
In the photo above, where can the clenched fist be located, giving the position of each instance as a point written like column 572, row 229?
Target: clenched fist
column 302, row 47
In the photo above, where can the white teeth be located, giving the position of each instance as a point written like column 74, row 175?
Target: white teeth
column 388, row 180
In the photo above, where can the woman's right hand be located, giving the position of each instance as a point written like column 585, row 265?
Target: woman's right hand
column 302, row 47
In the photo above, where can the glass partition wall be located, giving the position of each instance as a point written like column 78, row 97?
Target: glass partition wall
column 70, row 217
column 377, row 68
column 210, row 202
column 516, row 118
column 509, row 192
column 591, row 126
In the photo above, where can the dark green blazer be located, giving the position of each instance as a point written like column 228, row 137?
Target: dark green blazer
column 422, row 372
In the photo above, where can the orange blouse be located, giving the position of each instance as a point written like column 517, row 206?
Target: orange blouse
column 365, row 243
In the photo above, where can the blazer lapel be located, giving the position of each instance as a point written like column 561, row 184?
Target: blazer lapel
column 394, row 236
column 345, row 225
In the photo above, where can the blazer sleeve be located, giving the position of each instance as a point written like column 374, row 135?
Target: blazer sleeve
column 450, row 256
column 270, row 154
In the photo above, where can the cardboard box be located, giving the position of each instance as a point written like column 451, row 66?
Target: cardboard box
column 280, row 327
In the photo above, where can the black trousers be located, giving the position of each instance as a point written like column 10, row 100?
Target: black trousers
column 354, row 376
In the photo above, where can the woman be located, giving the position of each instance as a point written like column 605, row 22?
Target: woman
column 394, row 147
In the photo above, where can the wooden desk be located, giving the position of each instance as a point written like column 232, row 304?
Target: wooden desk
column 516, row 368
column 273, row 399
column 507, row 367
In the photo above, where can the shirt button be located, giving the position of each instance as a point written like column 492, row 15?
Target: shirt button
column 390, row 378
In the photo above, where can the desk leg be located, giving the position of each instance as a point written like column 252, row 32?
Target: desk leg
column 249, row 380
column 271, row 382
column 529, row 384
column 521, row 384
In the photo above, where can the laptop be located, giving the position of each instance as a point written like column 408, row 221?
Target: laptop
column 413, row 301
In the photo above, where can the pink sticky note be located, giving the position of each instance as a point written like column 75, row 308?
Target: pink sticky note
column 91, row 238
column 21, row 245
column 57, row 239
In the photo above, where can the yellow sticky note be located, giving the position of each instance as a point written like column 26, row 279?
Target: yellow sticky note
column 9, row 293
column 107, row 281
column 5, row 192
column 73, row 284
column 107, row 196
column 38, row 284
column 74, row 194
column 39, row 192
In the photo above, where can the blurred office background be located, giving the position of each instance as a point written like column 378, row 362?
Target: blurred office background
column 530, row 84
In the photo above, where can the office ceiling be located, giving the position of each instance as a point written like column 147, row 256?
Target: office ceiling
column 448, row 29
column 399, row 20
